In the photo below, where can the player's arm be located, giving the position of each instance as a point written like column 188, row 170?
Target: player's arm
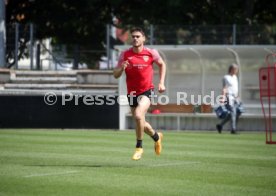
column 118, row 71
column 162, row 74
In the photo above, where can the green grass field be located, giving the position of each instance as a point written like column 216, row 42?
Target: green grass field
column 94, row 162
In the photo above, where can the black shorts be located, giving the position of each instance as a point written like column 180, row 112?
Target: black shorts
column 134, row 99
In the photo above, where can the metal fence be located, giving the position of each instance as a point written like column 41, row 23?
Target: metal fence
column 42, row 55
column 208, row 34
column 25, row 51
column 19, row 44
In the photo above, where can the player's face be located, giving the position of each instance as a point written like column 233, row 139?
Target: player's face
column 138, row 39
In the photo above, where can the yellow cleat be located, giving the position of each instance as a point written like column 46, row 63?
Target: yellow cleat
column 137, row 154
column 158, row 144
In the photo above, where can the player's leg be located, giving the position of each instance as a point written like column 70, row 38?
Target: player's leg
column 148, row 128
column 156, row 136
column 138, row 114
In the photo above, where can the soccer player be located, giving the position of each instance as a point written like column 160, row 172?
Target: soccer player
column 230, row 93
column 137, row 63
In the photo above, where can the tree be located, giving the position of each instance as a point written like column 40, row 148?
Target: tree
column 82, row 23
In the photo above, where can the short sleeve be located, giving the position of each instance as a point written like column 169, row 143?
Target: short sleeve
column 121, row 59
column 155, row 55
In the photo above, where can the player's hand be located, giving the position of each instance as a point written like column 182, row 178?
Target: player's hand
column 125, row 64
column 161, row 88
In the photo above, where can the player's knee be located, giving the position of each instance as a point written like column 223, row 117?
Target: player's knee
column 139, row 116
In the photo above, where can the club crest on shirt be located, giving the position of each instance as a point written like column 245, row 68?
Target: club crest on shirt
column 146, row 58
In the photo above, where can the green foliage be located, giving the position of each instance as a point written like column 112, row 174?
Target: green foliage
column 83, row 22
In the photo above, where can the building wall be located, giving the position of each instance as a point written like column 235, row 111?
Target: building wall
column 31, row 111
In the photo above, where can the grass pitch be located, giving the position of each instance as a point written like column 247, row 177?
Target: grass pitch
column 97, row 162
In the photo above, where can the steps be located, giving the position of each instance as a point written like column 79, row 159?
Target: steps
column 41, row 81
column 56, row 86
column 45, row 80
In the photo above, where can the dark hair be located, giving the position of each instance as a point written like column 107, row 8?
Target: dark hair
column 137, row 29
column 232, row 66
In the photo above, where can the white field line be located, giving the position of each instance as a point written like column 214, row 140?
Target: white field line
column 50, row 174
column 174, row 164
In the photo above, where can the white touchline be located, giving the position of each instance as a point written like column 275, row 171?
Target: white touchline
column 50, row 174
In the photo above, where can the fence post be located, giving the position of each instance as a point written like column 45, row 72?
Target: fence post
column 108, row 45
column 76, row 56
column 16, row 45
column 151, row 34
column 31, row 46
column 2, row 34
column 234, row 34
column 38, row 57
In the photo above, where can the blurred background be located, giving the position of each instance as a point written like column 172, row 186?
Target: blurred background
column 56, row 34
column 78, row 39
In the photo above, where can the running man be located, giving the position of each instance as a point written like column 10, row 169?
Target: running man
column 137, row 63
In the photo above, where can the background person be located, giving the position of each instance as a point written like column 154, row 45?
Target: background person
column 137, row 63
column 230, row 93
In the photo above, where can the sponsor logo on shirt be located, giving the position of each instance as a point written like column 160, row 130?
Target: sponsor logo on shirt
column 146, row 58
column 140, row 66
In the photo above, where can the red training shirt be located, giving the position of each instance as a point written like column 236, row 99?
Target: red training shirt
column 139, row 72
